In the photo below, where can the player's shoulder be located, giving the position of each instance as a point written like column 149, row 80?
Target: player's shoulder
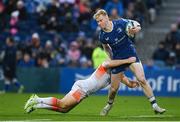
column 101, row 35
column 120, row 22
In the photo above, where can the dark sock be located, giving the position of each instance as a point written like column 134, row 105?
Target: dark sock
column 17, row 84
column 7, row 87
column 152, row 100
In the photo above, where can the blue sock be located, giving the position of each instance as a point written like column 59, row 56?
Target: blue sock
column 17, row 84
column 6, row 88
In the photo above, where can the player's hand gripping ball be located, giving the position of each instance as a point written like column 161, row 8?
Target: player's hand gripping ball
column 130, row 25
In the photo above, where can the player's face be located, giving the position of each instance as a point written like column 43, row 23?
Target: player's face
column 102, row 21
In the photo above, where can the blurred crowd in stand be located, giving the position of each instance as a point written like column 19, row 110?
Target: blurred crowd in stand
column 167, row 53
column 52, row 33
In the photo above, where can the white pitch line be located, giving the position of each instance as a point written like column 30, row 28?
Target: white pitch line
column 39, row 120
column 147, row 116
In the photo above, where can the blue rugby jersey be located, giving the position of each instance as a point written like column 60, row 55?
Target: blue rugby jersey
column 118, row 40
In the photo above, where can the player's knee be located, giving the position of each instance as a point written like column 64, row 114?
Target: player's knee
column 142, row 80
column 114, row 89
column 62, row 104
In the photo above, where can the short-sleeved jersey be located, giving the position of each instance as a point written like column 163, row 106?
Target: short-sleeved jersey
column 98, row 80
column 117, row 38
column 120, row 43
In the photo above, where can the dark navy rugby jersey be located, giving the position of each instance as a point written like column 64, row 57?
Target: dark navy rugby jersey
column 118, row 39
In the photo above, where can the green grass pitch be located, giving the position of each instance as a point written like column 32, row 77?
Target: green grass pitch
column 126, row 108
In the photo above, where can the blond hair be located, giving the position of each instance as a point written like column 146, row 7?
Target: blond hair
column 100, row 12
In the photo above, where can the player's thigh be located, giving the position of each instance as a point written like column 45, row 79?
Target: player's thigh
column 138, row 70
column 115, row 80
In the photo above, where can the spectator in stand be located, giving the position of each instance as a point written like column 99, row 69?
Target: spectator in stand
column 14, row 22
column 84, row 62
column 177, row 50
column 52, row 13
column 160, row 55
column 31, row 6
column 35, row 45
column 48, row 47
column 171, row 61
column 74, row 54
column 48, row 51
column 22, row 10
column 86, row 47
column 150, row 65
column 84, row 11
column 129, row 13
column 114, row 14
column 27, row 61
column 151, row 5
column 60, row 56
column 86, row 55
column 173, row 36
column 42, row 61
column 115, row 4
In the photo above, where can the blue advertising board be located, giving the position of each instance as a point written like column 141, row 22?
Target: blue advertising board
column 163, row 82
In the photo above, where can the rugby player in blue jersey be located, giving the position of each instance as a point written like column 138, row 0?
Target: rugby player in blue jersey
column 116, row 38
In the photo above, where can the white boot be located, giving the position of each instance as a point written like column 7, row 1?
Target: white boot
column 106, row 110
column 158, row 109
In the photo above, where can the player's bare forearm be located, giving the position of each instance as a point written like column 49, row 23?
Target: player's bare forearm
column 115, row 63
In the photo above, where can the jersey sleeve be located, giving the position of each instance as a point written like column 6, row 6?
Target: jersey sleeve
column 124, row 22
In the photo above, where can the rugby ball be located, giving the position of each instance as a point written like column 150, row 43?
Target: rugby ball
column 130, row 25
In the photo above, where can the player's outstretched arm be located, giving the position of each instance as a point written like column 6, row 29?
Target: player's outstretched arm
column 115, row 63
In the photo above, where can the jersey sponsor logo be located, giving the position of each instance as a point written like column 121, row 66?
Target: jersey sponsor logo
column 107, row 38
column 118, row 40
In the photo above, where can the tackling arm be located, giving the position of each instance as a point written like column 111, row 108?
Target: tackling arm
column 115, row 63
